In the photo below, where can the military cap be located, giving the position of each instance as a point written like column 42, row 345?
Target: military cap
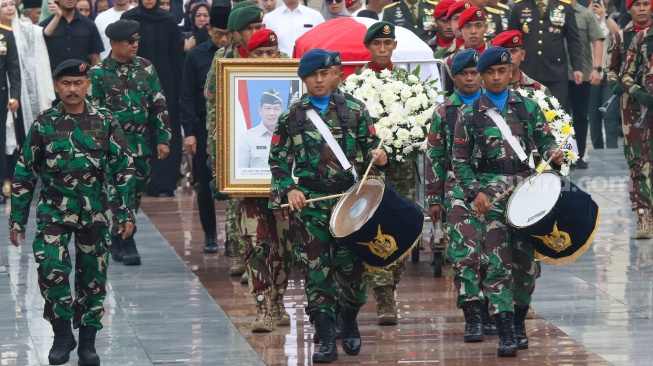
column 312, row 61
column 367, row 13
column 121, row 29
column 379, row 30
column 246, row 16
column 629, row 3
column 232, row 18
column 336, row 59
column 270, row 96
column 472, row 14
column 31, row 4
column 464, row 59
column 243, row 4
column 493, row 56
column 442, row 8
column 457, row 7
column 262, row 38
column 508, row 39
column 220, row 16
column 71, row 67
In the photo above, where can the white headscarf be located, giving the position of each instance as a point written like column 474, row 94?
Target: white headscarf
column 327, row 14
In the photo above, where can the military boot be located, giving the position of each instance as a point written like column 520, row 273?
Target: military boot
column 644, row 229
column 264, row 322
column 386, row 307
column 130, row 256
column 338, row 321
column 325, row 327
column 507, row 338
column 86, row 351
column 64, row 342
column 351, row 337
column 473, row 322
column 238, row 268
column 281, row 316
column 520, row 327
column 488, row 324
column 227, row 243
column 244, row 278
column 116, row 247
column 210, row 244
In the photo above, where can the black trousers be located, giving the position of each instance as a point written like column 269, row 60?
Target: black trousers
column 166, row 172
column 202, row 175
column 4, row 173
column 578, row 106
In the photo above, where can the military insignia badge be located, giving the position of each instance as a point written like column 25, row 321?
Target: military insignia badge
column 386, row 29
column 479, row 14
column 337, row 59
column 561, row 7
column 272, row 38
column 399, row 14
column 525, row 28
column 467, row 5
column 82, row 67
column 476, row 57
column 261, row 16
column 515, row 39
column 383, row 245
column 2, row 36
column 96, row 125
column 504, row 57
column 3, row 48
column 557, row 240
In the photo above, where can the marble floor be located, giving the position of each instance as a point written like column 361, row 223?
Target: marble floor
column 180, row 307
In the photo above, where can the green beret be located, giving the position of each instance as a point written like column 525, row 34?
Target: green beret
column 71, row 67
column 246, row 16
column 232, row 18
column 121, row 30
column 242, row 4
column 379, row 30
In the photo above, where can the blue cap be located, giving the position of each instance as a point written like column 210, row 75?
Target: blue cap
column 314, row 60
column 464, row 59
column 336, row 60
column 492, row 56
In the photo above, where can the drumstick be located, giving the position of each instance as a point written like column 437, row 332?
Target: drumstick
column 285, row 205
column 369, row 167
column 546, row 164
column 501, row 196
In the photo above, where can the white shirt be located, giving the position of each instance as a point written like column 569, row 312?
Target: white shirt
column 102, row 22
column 365, row 7
column 254, row 148
column 291, row 24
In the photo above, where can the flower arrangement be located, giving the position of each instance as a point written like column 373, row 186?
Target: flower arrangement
column 401, row 106
column 560, row 123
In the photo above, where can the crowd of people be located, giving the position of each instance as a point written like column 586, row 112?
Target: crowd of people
column 135, row 86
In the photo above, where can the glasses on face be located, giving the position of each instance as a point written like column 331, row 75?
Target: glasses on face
column 4, row 5
column 220, row 34
column 333, row 1
column 133, row 40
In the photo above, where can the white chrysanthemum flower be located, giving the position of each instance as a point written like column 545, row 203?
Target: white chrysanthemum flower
column 566, row 118
column 539, row 95
column 417, row 88
column 405, row 93
column 413, row 79
column 554, row 102
column 385, row 73
column 395, row 107
column 432, row 94
column 400, row 158
column 412, row 120
column 543, row 104
column 408, row 149
column 417, row 132
column 382, row 131
column 523, row 92
column 564, row 169
column 403, row 134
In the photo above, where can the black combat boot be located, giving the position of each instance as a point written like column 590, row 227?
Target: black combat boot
column 488, row 324
column 86, row 350
column 227, row 243
column 64, row 342
column 210, row 244
column 520, row 326
column 130, row 256
column 338, row 322
column 473, row 331
column 351, row 337
column 506, row 330
column 116, row 247
column 326, row 328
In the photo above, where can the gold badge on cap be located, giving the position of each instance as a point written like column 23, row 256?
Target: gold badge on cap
column 272, row 38
column 561, row 7
column 386, row 29
column 479, row 14
column 82, row 67
column 261, row 16
column 515, row 39
column 504, row 57
column 337, row 59
column 476, row 56
column 467, row 5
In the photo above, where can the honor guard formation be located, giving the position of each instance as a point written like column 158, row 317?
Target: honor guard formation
column 363, row 157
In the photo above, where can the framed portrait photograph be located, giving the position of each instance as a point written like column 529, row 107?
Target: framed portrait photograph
column 253, row 94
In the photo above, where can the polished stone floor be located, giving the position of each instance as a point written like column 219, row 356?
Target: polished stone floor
column 180, row 307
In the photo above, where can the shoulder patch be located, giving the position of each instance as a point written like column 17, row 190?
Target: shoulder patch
column 5, row 27
column 504, row 6
column 568, row 2
column 391, row 5
column 493, row 10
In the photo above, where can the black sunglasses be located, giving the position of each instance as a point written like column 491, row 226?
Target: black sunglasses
column 333, row 1
column 133, row 40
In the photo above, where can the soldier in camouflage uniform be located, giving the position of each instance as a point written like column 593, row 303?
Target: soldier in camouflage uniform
column 473, row 25
column 73, row 147
column 332, row 273
column 445, row 35
column 628, row 55
column 484, row 168
column 129, row 87
column 444, row 196
column 452, row 17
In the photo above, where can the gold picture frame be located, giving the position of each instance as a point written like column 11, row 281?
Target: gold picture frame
column 241, row 162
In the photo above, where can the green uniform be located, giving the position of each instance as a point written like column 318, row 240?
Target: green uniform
column 73, row 155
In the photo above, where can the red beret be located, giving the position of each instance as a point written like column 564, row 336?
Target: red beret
column 629, row 3
column 472, row 14
column 442, row 7
column 457, row 7
column 262, row 38
column 508, row 39
column 349, row 3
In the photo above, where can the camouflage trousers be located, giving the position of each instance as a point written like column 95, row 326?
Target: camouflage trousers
column 238, row 244
column 259, row 228
column 142, row 173
column 331, row 273
column 91, row 257
column 638, row 150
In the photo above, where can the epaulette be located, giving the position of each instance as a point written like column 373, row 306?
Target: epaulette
column 568, row 2
column 391, row 5
column 517, row 2
column 503, row 6
column 5, row 27
column 492, row 10
column 432, row 2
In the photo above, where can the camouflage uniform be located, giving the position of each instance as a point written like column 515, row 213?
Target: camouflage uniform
column 525, row 82
column 627, row 61
column 133, row 94
column 471, row 158
column 73, row 154
column 326, row 266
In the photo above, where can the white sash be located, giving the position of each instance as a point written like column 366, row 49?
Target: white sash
column 330, row 140
column 508, row 136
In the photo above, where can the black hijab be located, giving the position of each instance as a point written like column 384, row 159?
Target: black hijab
column 141, row 12
column 193, row 11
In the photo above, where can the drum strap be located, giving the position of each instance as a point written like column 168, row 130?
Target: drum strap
column 509, row 137
column 330, row 140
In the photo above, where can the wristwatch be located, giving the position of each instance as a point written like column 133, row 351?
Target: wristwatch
column 472, row 195
column 597, row 68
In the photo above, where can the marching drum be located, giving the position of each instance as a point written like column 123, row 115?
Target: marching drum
column 555, row 216
column 378, row 224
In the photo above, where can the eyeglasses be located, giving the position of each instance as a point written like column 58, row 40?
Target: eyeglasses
column 133, row 40
column 332, row 1
column 220, row 35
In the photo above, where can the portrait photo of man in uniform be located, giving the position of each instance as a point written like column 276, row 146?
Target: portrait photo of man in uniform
column 254, row 145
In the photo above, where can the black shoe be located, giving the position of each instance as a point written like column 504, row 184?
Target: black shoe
column 338, row 322
column 473, row 322
column 507, row 339
column 520, row 327
column 64, row 342
column 210, row 244
column 86, row 351
column 130, row 256
column 351, row 337
column 116, row 247
column 488, row 324
column 227, row 243
column 581, row 164
column 326, row 328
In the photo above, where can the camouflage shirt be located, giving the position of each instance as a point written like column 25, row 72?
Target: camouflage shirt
column 616, row 53
column 133, row 93
column 73, row 154
column 525, row 82
column 638, row 60
column 466, row 154
column 303, row 145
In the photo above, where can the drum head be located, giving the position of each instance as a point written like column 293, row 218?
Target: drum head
column 527, row 205
column 354, row 210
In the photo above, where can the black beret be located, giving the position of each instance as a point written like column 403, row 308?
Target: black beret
column 464, row 59
column 121, row 30
column 367, row 13
column 220, row 16
column 271, row 96
column 31, row 4
column 379, row 30
column 493, row 56
column 336, row 60
column 71, row 67
column 312, row 61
